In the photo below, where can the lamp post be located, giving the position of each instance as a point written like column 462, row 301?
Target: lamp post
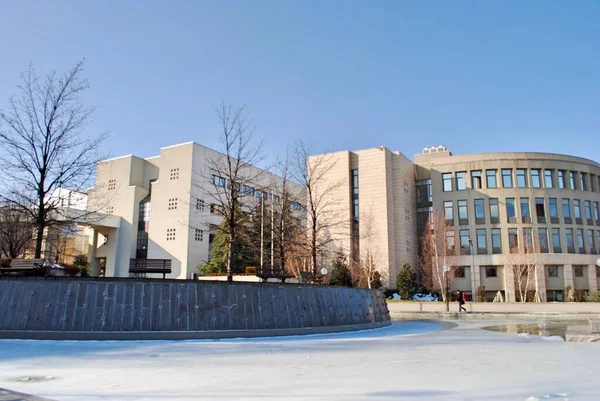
column 473, row 290
column 446, row 269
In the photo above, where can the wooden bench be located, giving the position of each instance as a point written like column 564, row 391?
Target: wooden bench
column 141, row 267
column 24, row 267
column 267, row 272
column 309, row 278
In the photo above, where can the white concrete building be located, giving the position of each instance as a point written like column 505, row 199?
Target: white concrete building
column 161, row 208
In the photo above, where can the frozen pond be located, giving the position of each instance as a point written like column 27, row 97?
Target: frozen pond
column 407, row 361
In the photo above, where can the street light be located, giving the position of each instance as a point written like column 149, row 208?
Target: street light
column 473, row 290
column 446, row 268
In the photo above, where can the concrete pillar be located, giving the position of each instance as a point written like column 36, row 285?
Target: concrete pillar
column 509, row 284
column 112, row 247
column 592, row 279
column 540, row 282
column 475, row 281
column 93, row 261
column 568, row 277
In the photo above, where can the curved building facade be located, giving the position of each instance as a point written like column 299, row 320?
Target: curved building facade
column 514, row 219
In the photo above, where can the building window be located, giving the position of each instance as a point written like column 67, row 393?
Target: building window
column 465, row 248
column 216, row 209
column 491, row 271
column 556, row 240
column 145, row 208
column 513, row 240
column 170, row 234
column 522, row 178
column 296, row 206
column 548, row 181
column 562, row 183
column 598, row 240
column 355, row 181
column 110, row 210
column 461, row 180
column 583, row 181
column 592, row 183
column 511, row 212
column 218, row 181
column 172, row 204
column 597, row 211
column 481, row 241
column 112, row 184
column 174, row 174
column 591, row 241
column 479, row 211
column 200, row 205
column 540, row 210
column 507, row 178
column 494, row 211
column 528, row 240
column 449, row 213
column 355, row 211
column 198, row 235
column 447, row 179
column 587, row 206
column 578, row 271
column 259, row 194
column 423, row 191
column 566, row 207
column 496, row 241
column 248, row 190
column 552, row 271
column 491, row 179
column 577, row 209
column 572, row 181
column 580, row 243
column 459, row 272
column 450, row 242
column 570, row 240
column 543, row 238
column 553, row 209
column 476, row 179
column 535, row 178
column 463, row 213
column 525, row 212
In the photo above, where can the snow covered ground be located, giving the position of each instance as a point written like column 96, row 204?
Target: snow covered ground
column 408, row 361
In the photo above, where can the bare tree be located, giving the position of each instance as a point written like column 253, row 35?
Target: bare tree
column 437, row 248
column 369, row 265
column 324, row 216
column 45, row 146
column 286, row 205
column 232, row 174
column 522, row 264
column 15, row 232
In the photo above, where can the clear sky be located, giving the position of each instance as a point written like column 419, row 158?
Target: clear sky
column 476, row 76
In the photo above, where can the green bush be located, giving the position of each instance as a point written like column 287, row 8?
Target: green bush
column 340, row 273
column 593, row 297
column 406, row 282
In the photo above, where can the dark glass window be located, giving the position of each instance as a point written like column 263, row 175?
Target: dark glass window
column 556, row 240
column 540, row 209
column 481, row 241
column 513, row 240
column 588, row 209
column 479, row 211
column 570, row 240
column 507, row 178
column 552, row 208
column 450, row 242
column 522, row 178
column 491, row 179
column 496, row 241
column 464, row 242
column 580, row 243
column 543, row 238
column 566, row 206
column 511, row 212
column 525, row 213
column 476, row 179
column 583, row 181
column 355, row 181
column 491, row 272
column 463, row 214
column 576, row 208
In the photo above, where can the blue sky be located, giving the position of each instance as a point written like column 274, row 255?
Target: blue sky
column 476, row 76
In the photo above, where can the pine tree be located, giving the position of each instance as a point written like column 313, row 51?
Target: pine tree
column 405, row 282
column 340, row 273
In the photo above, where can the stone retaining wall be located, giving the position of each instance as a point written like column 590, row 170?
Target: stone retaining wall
column 144, row 309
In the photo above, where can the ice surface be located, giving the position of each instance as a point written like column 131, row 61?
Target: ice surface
column 408, row 361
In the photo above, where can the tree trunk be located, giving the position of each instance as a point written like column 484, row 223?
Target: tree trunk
column 229, row 258
column 313, row 249
column 38, row 239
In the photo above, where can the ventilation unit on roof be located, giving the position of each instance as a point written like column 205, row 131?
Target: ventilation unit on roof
column 426, row 150
column 441, row 148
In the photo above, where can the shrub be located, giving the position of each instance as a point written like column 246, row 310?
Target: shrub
column 250, row 269
column 405, row 282
column 340, row 273
column 594, row 297
column 71, row 270
column 480, row 294
column 5, row 262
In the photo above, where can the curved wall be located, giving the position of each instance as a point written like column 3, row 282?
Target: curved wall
column 572, row 266
column 175, row 309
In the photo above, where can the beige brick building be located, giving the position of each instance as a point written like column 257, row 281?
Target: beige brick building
column 494, row 207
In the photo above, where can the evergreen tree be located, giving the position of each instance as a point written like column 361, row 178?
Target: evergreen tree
column 405, row 282
column 340, row 273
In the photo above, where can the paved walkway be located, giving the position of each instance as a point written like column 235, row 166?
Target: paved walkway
column 7, row 395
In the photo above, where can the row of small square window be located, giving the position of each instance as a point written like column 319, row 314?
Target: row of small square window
column 562, row 179
column 198, row 234
column 514, row 244
column 591, row 210
column 551, row 271
column 219, row 181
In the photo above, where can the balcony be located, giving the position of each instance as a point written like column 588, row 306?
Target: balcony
column 526, row 220
column 579, row 220
column 554, row 220
column 141, row 267
column 568, row 220
column 541, row 220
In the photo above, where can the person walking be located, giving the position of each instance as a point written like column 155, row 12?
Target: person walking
column 462, row 298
